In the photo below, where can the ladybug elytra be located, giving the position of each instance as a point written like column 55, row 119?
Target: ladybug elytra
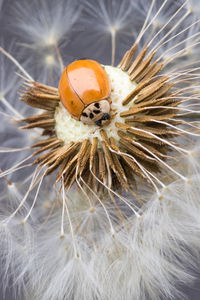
column 84, row 90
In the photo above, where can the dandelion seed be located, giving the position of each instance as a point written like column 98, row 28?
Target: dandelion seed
column 44, row 24
column 113, row 22
column 43, row 29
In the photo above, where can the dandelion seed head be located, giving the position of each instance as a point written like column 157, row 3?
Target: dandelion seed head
column 92, row 239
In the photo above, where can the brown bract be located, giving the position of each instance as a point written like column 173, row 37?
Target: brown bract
column 105, row 162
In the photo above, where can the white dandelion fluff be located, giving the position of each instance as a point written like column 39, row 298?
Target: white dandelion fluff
column 43, row 29
column 120, row 218
column 114, row 23
column 193, row 5
column 10, row 84
column 44, row 24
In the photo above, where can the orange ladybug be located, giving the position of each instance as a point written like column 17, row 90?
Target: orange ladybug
column 84, row 90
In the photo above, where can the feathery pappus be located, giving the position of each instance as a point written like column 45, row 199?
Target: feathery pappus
column 105, row 204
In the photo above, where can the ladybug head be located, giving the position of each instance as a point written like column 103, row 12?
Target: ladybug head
column 96, row 113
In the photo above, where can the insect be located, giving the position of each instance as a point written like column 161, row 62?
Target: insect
column 84, row 90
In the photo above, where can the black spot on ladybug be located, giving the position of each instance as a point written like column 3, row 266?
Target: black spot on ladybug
column 96, row 111
column 105, row 117
column 84, row 114
column 91, row 116
column 96, row 105
column 98, row 123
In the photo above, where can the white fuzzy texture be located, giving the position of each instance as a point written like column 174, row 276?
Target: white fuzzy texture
column 146, row 256
column 42, row 30
column 44, row 24
column 138, row 258
column 194, row 6
column 68, row 129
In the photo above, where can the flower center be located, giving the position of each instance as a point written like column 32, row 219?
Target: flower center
column 70, row 130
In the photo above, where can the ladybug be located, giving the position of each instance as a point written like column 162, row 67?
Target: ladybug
column 84, row 90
